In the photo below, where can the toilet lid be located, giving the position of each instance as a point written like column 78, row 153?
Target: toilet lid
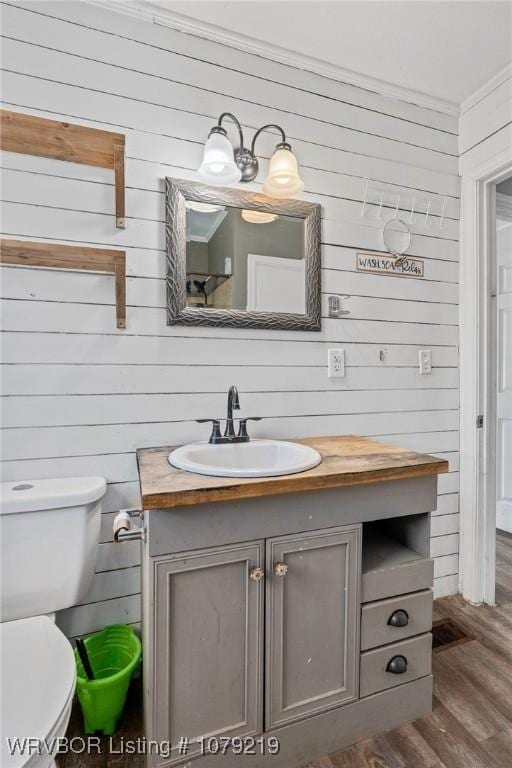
column 38, row 677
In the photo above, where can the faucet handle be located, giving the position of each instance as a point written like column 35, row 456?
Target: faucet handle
column 242, row 428
column 215, row 435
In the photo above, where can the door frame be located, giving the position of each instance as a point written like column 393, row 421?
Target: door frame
column 477, row 580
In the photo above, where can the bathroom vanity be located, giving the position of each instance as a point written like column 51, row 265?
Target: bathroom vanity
column 296, row 607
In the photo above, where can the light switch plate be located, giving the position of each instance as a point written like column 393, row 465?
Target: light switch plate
column 336, row 363
column 425, row 361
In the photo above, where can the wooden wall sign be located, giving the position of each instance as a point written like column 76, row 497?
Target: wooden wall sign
column 29, row 254
column 385, row 264
column 30, row 135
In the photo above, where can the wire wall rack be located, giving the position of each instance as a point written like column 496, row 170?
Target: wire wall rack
column 382, row 203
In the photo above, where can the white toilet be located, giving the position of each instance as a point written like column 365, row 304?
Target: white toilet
column 49, row 533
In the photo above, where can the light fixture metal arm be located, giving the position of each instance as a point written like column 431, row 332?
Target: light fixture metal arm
column 229, row 115
column 265, row 128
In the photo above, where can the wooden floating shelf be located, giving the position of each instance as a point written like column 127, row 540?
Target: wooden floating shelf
column 29, row 254
column 30, row 135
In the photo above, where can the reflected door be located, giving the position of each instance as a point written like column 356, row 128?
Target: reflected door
column 275, row 284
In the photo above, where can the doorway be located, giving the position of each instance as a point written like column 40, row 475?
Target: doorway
column 482, row 486
column 502, row 294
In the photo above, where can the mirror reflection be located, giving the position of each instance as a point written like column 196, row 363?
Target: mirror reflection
column 244, row 259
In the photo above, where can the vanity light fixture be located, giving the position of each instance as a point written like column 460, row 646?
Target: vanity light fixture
column 258, row 217
column 224, row 165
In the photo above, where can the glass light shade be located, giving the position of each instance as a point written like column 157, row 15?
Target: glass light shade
column 218, row 166
column 283, row 178
column 258, row 217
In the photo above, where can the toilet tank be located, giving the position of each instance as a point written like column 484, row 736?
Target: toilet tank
column 49, row 534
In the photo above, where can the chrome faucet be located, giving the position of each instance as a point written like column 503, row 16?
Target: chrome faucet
column 230, row 436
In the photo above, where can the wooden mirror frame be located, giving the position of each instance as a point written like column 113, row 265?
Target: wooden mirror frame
column 177, row 192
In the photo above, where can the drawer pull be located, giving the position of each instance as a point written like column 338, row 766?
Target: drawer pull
column 397, row 665
column 280, row 569
column 399, row 618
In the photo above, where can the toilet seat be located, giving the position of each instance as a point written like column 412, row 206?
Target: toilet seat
column 38, row 683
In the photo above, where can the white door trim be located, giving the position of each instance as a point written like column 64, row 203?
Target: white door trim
column 477, row 376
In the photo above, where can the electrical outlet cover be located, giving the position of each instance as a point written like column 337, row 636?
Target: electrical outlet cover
column 336, row 363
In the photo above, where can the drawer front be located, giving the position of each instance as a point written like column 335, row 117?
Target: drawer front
column 397, row 618
column 409, row 659
column 397, row 580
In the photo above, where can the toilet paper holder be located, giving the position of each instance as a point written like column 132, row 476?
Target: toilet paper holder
column 123, row 527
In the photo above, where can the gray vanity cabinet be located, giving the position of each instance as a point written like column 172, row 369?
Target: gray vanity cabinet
column 312, row 608
column 209, row 643
column 295, row 608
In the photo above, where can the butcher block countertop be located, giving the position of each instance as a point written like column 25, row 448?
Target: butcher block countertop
column 347, row 460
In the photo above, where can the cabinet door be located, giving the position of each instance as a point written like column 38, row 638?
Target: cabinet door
column 312, row 623
column 208, row 668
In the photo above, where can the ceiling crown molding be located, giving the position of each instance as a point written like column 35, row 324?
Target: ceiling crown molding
column 182, row 23
column 486, row 88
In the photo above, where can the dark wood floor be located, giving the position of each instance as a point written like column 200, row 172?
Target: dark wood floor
column 471, row 722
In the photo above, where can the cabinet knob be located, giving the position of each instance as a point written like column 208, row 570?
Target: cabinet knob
column 256, row 573
column 397, row 665
column 399, row 618
column 280, row 569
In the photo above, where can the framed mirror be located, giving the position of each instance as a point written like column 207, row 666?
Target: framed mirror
column 241, row 259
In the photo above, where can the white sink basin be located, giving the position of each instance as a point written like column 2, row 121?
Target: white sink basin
column 258, row 458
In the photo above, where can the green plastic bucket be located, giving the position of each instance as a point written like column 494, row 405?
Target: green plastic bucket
column 114, row 654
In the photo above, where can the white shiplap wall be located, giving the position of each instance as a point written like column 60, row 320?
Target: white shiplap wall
column 80, row 396
column 486, row 122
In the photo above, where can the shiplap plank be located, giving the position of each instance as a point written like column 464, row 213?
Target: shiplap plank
column 446, row 565
column 71, row 318
column 487, row 116
column 108, row 585
column 442, row 525
column 135, row 408
column 23, row 443
column 94, row 616
column 68, row 286
column 446, row 585
column 452, row 457
column 112, row 556
column 55, row 285
column 444, row 545
column 62, row 347
column 447, row 504
column 120, row 495
column 448, row 483
column 124, row 379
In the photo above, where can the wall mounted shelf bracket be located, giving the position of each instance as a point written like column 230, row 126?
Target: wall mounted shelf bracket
column 30, row 135
column 54, row 255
